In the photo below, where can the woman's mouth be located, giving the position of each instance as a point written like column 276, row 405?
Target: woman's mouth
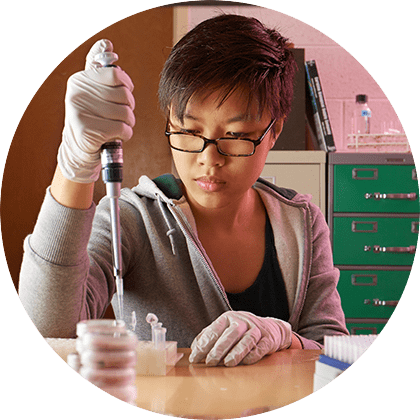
column 210, row 183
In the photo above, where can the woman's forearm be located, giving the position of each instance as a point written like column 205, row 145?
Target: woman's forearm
column 71, row 194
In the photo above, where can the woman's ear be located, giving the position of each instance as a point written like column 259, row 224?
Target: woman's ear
column 278, row 128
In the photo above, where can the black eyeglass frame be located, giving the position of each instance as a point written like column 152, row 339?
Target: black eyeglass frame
column 215, row 141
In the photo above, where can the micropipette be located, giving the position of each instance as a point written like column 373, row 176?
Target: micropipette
column 112, row 175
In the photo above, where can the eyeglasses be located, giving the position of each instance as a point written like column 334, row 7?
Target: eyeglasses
column 227, row 146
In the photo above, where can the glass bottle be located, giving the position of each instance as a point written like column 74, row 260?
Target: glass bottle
column 362, row 115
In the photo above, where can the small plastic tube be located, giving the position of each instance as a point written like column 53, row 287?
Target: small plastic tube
column 158, row 332
column 159, row 338
column 154, row 327
column 152, row 319
column 133, row 321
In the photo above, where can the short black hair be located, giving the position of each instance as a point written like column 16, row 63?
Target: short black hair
column 229, row 53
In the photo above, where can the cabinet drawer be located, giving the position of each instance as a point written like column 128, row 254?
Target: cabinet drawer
column 358, row 328
column 370, row 294
column 376, row 189
column 302, row 171
column 375, row 240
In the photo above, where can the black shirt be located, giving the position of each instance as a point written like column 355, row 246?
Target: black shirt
column 267, row 295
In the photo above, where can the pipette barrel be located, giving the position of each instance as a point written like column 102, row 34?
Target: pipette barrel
column 112, row 174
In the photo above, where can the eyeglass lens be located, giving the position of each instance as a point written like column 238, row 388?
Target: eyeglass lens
column 191, row 143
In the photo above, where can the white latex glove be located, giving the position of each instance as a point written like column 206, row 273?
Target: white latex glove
column 238, row 336
column 99, row 108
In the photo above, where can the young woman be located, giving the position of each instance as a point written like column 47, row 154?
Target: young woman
column 232, row 265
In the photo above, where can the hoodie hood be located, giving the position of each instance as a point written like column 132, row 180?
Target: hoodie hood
column 170, row 189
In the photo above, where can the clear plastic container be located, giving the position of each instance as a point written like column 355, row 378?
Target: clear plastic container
column 107, row 342
column 109, row 377
column 151, row 361
column 103, row 326
column 73, row 360
column 108, row 357
column 103, row 359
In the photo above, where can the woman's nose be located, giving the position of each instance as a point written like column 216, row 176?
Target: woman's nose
column 210, row 156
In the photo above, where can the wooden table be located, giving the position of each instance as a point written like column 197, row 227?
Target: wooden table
column 197, row 391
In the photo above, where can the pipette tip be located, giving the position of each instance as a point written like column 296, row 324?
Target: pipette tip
column 120, row 297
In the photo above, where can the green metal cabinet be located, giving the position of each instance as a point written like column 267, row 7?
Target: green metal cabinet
column 360, row 328
column 371, row 293
column 373, row 215
column 362, row 188
column 374, row 240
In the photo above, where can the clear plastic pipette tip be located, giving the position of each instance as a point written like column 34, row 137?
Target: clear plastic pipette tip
column 133, row 321
column 120, row 296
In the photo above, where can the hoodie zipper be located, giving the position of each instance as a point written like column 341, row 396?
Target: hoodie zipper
column 187, row 233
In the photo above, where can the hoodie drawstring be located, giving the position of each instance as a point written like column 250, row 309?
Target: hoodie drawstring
column 171, row 229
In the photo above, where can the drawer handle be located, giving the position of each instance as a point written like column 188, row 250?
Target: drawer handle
column 371, row 330
column 367, row 227
column 364, row 174
column 364, row 279
column 391, row 249
column 377, row 302
column 383, row 196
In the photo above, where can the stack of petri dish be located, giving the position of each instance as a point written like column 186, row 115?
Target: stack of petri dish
column 107, row 357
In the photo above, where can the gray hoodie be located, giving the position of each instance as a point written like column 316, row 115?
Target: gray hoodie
column 67, row 272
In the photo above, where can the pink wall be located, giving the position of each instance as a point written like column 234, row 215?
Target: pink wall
column 342, row 76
